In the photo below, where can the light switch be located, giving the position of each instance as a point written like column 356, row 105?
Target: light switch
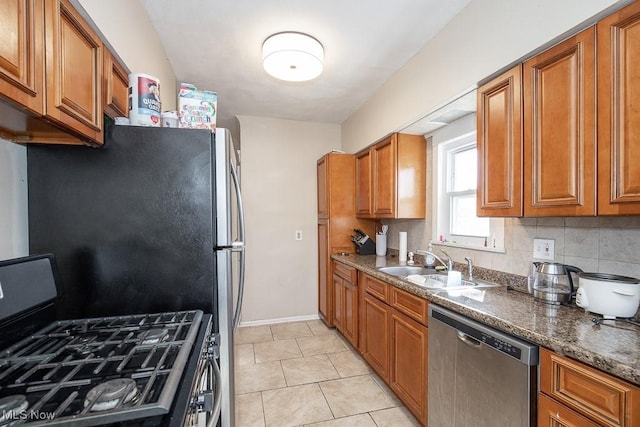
column 298, row 234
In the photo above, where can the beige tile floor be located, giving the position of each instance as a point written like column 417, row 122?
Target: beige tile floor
column 305, row 374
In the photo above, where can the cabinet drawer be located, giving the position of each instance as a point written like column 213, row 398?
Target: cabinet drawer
column 553, row 414
column 346, row 272
column 600, row 396
column 374, row 287
column 409, row 304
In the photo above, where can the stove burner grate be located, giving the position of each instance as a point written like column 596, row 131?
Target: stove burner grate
column 153, row 336
column 111, row 394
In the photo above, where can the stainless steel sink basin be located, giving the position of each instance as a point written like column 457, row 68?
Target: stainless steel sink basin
column 425, row 278
column 404, row 270
column 439, row 281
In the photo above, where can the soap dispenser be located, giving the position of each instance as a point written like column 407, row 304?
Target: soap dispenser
column 430, row 260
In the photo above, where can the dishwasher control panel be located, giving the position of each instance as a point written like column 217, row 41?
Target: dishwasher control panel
column 501, row 345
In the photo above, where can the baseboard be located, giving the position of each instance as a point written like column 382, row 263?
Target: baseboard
column 279, row 320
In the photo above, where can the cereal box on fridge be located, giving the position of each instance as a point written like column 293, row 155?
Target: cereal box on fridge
column 197, row 109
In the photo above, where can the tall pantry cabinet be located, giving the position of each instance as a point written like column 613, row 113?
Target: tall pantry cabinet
column 336, row 221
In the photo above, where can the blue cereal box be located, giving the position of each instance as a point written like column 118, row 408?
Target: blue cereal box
column 197, row 109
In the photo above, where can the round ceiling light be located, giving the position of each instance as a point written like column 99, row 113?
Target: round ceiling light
column 292, row 56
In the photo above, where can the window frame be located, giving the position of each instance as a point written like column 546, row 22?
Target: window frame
column 443, row 212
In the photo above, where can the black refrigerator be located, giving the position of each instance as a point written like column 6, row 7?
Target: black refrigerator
column 150, row 222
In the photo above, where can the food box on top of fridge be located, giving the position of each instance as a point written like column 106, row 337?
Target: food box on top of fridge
column 197, row 109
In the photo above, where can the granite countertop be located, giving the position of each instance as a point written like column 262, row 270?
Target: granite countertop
column 613, row 347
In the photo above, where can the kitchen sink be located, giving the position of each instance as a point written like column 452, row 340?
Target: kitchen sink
column 425, row 278
column 404, row 270
column 439, row 281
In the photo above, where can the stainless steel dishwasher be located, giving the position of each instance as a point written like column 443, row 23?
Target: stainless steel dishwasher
column 478, row 376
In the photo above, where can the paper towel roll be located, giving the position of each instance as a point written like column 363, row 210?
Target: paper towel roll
column 403, row 247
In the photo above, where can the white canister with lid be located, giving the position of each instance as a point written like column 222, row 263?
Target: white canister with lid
column 170, row 119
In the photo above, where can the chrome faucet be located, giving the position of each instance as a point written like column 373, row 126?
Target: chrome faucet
column 449, row 260
column 470, row 266
column 448, row 264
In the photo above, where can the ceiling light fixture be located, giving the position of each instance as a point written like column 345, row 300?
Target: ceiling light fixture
column 292, row 56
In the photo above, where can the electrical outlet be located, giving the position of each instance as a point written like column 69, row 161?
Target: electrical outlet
column 298, row 234
column 544, row 249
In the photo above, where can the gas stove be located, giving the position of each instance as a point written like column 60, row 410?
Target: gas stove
column 106, row 370
column 125, row 370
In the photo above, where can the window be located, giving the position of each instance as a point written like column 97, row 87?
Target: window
column 461, row 170
column 456, row 221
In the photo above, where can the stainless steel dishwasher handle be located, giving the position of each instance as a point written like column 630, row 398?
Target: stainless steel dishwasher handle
column 471, row 342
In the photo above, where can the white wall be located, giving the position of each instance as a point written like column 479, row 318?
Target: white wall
column 126, row 26
column 485, row 37
column 279, row 190
column 14, row 231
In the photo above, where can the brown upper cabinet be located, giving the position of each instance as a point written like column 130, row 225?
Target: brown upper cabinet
column 50, row 38
column 115, row 87
column 22, row 53
column 618, row 113
column 391, row 178
column 554, row 126
column 499, row 136
column 560, row 129
column 74, row 71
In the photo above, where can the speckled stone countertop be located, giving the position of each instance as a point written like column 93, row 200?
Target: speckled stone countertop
column 613, row 347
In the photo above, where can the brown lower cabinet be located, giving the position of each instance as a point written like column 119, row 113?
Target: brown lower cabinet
column 393, row 343
column 554, row 414
column 408, row 376
column 345, row 297
column 374, row 337
column 574, row 394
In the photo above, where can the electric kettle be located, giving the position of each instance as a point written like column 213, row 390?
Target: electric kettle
column 553, row 283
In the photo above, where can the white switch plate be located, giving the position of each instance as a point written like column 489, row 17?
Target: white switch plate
column 544, row 249
column 298, row 234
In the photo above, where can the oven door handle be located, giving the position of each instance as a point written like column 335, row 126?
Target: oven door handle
column 212, row 367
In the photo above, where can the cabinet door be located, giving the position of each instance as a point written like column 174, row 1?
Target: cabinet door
column 499, row 122
column 74, row 71
column 384, row 178
column 554, row 414
column 321, row 172
column 364, row 194
column 325, row 287
column 115, row 87
column 350, row 315
column 618, row 113
column 22, row 53
column 559, row 129
column 375, row 335
column 338, row 302
column 409, row 363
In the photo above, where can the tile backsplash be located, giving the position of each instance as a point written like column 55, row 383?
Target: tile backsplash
column 595, row 244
